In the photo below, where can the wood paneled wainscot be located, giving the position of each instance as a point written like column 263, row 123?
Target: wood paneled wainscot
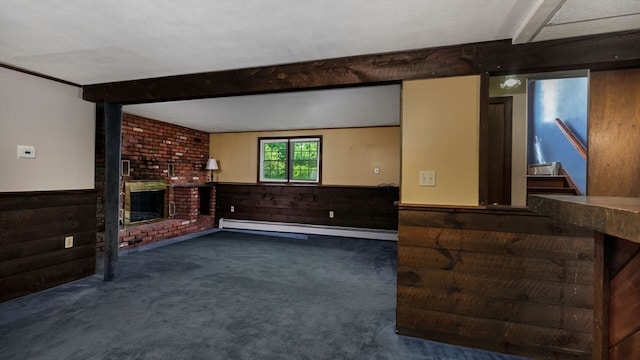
column 353, row 206
column 33, row 227
column 502, row 280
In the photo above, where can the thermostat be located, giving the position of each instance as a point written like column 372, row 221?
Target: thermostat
column 26, row 152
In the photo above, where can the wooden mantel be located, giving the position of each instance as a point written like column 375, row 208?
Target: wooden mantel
column 617, row 216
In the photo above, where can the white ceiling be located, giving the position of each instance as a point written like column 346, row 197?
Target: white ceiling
column 95, row 41
column 336, row 108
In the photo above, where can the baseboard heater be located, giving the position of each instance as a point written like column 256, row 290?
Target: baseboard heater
column 374, row 234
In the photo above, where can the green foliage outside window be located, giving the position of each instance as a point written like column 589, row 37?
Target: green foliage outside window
column 275, row 160
column 290, row 160
column 304, row 161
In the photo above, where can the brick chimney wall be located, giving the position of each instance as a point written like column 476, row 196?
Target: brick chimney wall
column 151, row 146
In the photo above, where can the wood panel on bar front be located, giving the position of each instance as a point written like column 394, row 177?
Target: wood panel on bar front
column 33, row 227
column 502, row 280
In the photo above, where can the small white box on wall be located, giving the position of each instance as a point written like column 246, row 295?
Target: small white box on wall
column 26, row 152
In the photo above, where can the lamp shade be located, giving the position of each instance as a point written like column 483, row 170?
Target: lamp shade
column 212, row 164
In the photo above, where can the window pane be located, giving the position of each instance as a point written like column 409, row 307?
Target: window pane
column 274, row 160
column 304, row 160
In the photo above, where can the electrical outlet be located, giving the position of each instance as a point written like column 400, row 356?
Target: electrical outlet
column 376, row 170
column 331, row 214
column 68, row 242
column 233, row 208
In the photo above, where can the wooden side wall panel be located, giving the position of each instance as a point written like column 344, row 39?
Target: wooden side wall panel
column 624, row 306
column 33, row 226
column 361, row 207
column 614, row 133
column 613, row 168
column 506, row 281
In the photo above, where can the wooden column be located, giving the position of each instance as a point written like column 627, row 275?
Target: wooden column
column 601, row 284
column 113, row 136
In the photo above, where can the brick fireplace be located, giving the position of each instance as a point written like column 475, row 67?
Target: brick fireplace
column 164, row 189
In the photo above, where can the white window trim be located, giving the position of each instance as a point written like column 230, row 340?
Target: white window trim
column 310, row 139
column 261, row 160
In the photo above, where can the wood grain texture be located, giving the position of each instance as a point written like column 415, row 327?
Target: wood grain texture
column 613, row 50
column 361, row 207
column 33, row 226
column 537, row 291
column 614, row 133
column 497, row 308
column 497, row 220
column 504, row 243
column 627, row 349
column 601, row 288
column 532, row 267
column 550, row 341
column 498, row 279
column 621, row 253
column 624, row 305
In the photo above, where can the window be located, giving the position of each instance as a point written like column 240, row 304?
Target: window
column 290, row 159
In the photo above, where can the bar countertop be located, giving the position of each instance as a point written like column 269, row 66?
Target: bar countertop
column 617, row 216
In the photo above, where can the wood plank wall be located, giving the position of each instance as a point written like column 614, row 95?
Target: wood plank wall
column 501, row 280
column 33, row 226
column 613, row 166
column 361, row 207
column 624, row 302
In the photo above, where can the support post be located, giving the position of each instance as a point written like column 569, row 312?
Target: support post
column 113, row 135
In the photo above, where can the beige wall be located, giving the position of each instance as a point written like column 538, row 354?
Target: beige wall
column 440, row 132
column 52, row 117
column 349, row 156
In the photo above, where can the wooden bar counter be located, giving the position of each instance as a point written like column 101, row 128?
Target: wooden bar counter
column 497, row 278
column 616, row 220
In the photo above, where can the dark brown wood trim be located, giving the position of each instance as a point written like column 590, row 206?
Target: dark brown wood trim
column 20, row 194
column 517, row 220
column 601, row 287
column 606, row 51
column 596, row 52
column 507, row 102
column 483, row 141
column 461, row 208
column 308, row 185
column 37, row 74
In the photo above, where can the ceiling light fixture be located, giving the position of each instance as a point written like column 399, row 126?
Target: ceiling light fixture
column 510, row 82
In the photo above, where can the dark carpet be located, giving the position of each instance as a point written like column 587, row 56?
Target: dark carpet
column 227, row 295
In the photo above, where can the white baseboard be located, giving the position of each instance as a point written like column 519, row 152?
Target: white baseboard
column 375, row 234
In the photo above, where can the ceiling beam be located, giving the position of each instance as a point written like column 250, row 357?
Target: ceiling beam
column 542, row 12
column 615, row 50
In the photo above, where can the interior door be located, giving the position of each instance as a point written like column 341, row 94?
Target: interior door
column 500, row 110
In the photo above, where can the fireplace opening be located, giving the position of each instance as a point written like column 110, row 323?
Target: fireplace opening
column 145, row 201
column 146, row 205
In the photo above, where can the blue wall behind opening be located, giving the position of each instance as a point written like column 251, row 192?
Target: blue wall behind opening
column 565, row 99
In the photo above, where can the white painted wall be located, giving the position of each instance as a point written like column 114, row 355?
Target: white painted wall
column 52, row 117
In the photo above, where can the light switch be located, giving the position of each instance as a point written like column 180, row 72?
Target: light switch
column 376, row 170
column 26, row 152
column 427, row 178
